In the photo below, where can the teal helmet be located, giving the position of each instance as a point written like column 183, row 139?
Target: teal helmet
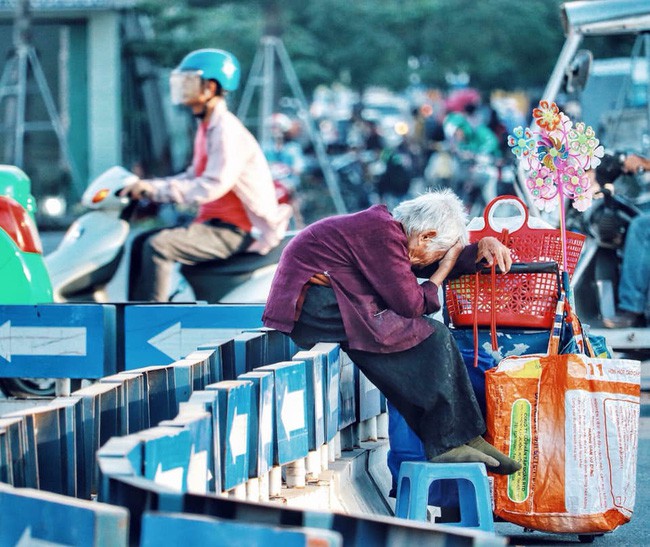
column 203, row 64
column 455, row 121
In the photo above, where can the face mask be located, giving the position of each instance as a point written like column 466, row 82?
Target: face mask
column 185, row 86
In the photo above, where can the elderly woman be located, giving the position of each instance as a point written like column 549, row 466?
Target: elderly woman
column 350, row 279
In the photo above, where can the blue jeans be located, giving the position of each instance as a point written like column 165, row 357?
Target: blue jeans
column 634, row 284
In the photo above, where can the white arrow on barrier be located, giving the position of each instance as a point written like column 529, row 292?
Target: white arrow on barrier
column 172, row 478
column 266, row 422
column 238, row 438
column 318, row 398
column 26, row 540
column 293, row 410
column 176, row 341
column 60, row 341
column 333, row 395
column 198, row 473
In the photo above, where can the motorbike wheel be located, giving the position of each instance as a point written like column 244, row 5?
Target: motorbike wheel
column 28, row 387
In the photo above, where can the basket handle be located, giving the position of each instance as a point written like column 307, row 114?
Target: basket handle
column 527, row 267
column 491, row 207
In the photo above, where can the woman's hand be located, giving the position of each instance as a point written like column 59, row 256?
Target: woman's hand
column 492, row 250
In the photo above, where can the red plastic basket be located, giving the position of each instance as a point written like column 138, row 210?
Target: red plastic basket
column 515, row 300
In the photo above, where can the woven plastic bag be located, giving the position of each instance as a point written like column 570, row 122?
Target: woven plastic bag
column 572, row 421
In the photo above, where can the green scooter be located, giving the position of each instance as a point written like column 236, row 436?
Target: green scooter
column 24, row 278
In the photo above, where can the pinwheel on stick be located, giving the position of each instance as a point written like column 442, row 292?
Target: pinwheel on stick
column 557, row 155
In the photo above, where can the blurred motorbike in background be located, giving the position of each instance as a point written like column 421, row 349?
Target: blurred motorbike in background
column 93, row 261
column 612, row 96
column 619, row 199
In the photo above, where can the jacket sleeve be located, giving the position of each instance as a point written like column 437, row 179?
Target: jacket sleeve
column 225, row 163
column 466, row 264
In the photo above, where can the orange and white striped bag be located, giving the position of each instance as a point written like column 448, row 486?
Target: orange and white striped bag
column 572, row 421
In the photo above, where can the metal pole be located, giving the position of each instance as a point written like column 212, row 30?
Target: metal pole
column 21, row 102
column 330, row 176
column 24, row 58
column 268, row 90
column 253, row 81
column 645, row 141
column 263, row 73
column 22, row 24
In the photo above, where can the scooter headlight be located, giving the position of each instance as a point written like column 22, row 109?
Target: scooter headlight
column 185, row 86
column 100, row 195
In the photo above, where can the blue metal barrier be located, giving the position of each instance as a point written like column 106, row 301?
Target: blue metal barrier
column 208, row 359
column 69, row 410
column 202, row 442
column 348, row 391
column 50, row 439
column 290, row 435
column 165, row 333
column 260, row 438
column 5, row 457
column 279, row 347
column 209, row 402
column 368, row 397
column 100, row 410
column 234, row 423
column 179, row 528
column 32, row 517
column 119, row 457
column 159, row 395
column 250, row 352
column 198, row 423
column 21, row 458
column 57, row 340
column 315, row 370
column 331, row 354
column 134, row 409
column 224, row 362
column 166, row 456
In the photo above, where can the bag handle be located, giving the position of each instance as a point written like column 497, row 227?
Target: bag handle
column 493, row 223
column 563, row 314
column 515, row 268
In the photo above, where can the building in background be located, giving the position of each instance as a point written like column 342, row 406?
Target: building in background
column 109, row 101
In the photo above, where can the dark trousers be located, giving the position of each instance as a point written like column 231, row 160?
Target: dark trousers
column 428, row 383
column 156, row 252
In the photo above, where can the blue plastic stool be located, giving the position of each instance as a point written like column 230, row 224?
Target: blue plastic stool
column 414, row 481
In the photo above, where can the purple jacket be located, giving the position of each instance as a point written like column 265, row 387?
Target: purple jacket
column 365, row 255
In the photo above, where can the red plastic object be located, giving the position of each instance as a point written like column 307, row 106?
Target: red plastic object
column 18, row 224
column 517, row 300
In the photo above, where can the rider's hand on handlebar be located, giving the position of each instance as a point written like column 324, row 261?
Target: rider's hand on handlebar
column 139, row 189
column 634, row 164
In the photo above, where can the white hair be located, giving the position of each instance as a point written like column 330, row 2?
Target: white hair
column 439, row 210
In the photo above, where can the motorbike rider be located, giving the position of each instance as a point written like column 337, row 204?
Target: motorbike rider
column 229, row 180
column 634, row 283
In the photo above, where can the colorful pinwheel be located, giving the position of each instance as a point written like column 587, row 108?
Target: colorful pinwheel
column 557, row 155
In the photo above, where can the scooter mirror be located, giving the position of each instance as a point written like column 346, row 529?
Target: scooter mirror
column 577, row 72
